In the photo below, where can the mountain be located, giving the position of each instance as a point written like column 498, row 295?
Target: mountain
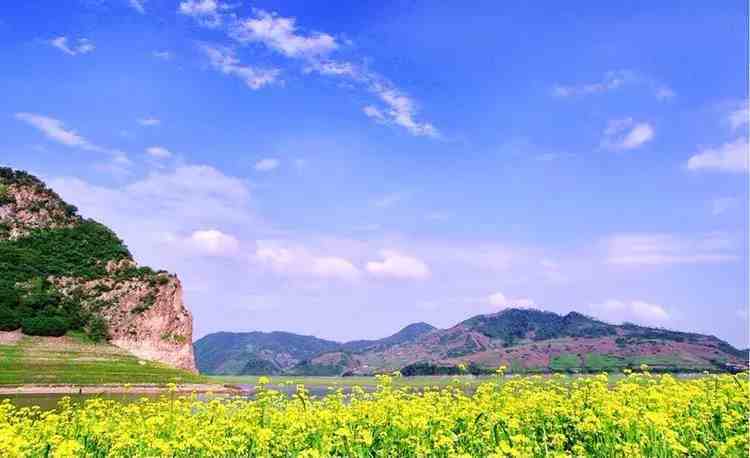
column 407, row 334
column 284, row 352
column 61, row 273
column 525, row 341
column 256, row 352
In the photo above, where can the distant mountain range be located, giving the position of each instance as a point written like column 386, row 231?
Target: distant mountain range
column 524, row 340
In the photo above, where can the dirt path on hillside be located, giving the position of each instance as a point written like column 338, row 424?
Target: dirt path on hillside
column 10, row 337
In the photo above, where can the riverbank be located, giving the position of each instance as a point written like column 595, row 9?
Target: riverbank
column 147, row 388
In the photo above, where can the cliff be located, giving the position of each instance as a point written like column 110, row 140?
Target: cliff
column 60, row 272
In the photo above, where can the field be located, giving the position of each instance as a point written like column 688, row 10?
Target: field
column 636, row 415
column 73, row 359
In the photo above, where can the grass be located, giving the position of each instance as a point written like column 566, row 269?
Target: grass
column 598, row 362
column 564, row 362
column 74, row 359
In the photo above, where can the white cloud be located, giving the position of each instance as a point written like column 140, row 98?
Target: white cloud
column 334, row 267
column 633, row 310
column 729, row 157
column 82, row 46
column 55, row 130
column 374, row 113
column 663, row 93
column 206, row 12
column 291, row 259
column 614, row 80
column 164, row 212
column 138, row 5
column 667, row 249
column 499, row 300
column 164, row 55
column 266, row 165
column 158, row 152
column 625, row 134
column 281, row 34
column 213, row 242
column 389, row 200
column 223, row 59
column 401, row 110
column 740, row 116
column 397, row 265
column 149, row 121
column 722, row 204
column 334, row 68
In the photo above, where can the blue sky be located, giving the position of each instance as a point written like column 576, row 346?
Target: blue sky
column 343, row 169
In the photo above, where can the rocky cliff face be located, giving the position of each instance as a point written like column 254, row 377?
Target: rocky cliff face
column 86, row 265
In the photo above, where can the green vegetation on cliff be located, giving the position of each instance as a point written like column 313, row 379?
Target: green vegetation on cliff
column 72, row 248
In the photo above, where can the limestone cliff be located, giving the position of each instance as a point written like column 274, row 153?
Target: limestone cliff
column 56, row 265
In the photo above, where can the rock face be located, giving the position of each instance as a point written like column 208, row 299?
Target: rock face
column 143, row 310
column 162, row 333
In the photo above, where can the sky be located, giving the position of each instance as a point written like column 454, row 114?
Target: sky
column 343, row 169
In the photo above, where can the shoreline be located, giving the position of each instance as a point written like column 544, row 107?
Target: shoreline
column 143, row 388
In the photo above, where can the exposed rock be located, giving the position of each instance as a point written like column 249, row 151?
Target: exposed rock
column 163, row 332
column 143, row 309
column 30, row 207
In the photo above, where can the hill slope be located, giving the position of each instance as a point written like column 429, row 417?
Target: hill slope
column 524, row 341
column 536, row 341
column 254, row 353
column 60, row 272
column 74, row 359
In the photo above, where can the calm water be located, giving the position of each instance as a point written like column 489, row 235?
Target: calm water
column 49, row 401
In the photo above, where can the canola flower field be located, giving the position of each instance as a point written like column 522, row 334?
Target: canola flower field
column 638, row 415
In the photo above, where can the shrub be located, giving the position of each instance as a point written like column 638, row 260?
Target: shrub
column 97, row 329
column 5, row 197
column 9, row 319
column 146, row 303
column 45, row 325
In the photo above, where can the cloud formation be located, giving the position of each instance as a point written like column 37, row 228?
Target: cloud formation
column 138, row 5
column 626, row 134
column 205, row 12
column 283, row 36
column 397, row 265
column 730, row 157
column 158, row 152
column 55, row 130
column 149, row 122
column 293, row 259
column 224, row 60
column 213, row 242
column 619, row 311
column 267, row 164
column 163, row 55
column 612, row 81
column 82, row 46
column 668, row 249
column 740, row 116
column 499, row 300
